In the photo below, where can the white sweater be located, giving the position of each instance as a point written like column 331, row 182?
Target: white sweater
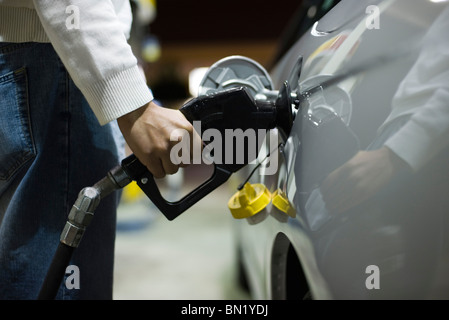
column 424, row 93
column 94, row 48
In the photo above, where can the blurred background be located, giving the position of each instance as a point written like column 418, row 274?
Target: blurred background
column 174, row 37
column 192, row 257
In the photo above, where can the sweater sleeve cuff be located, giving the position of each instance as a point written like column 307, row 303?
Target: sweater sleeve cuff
column 118, row 95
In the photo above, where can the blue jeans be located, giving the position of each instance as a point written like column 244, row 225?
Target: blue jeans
column 51, row 147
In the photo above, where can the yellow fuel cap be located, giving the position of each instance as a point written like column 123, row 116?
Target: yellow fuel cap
column 281, row 202
column 249, row 201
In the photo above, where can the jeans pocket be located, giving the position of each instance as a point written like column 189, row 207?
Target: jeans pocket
column 16, row 140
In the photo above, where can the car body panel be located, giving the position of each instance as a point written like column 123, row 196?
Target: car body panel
column 337, row 251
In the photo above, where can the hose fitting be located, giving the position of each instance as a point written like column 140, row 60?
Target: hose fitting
column 80, row 216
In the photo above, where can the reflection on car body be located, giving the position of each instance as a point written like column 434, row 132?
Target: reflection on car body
column 385, row 248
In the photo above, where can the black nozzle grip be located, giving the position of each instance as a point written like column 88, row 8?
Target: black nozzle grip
column 145, row 180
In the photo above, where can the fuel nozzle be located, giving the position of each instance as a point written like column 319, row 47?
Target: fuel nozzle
column 236, row 99
column 275, row 108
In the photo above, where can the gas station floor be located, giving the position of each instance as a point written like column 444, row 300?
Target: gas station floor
column 188, row 258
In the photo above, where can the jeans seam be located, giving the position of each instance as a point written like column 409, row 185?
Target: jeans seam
column 33, row 146
column 30, row 127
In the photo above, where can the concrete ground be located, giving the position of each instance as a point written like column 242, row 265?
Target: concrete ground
column 191, row 257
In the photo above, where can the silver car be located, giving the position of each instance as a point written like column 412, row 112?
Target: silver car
column 393, row 245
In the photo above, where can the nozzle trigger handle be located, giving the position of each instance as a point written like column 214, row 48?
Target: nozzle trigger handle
column 145, row 180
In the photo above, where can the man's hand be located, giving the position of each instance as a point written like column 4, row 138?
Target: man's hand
column 359, row 179
column 148, row 130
